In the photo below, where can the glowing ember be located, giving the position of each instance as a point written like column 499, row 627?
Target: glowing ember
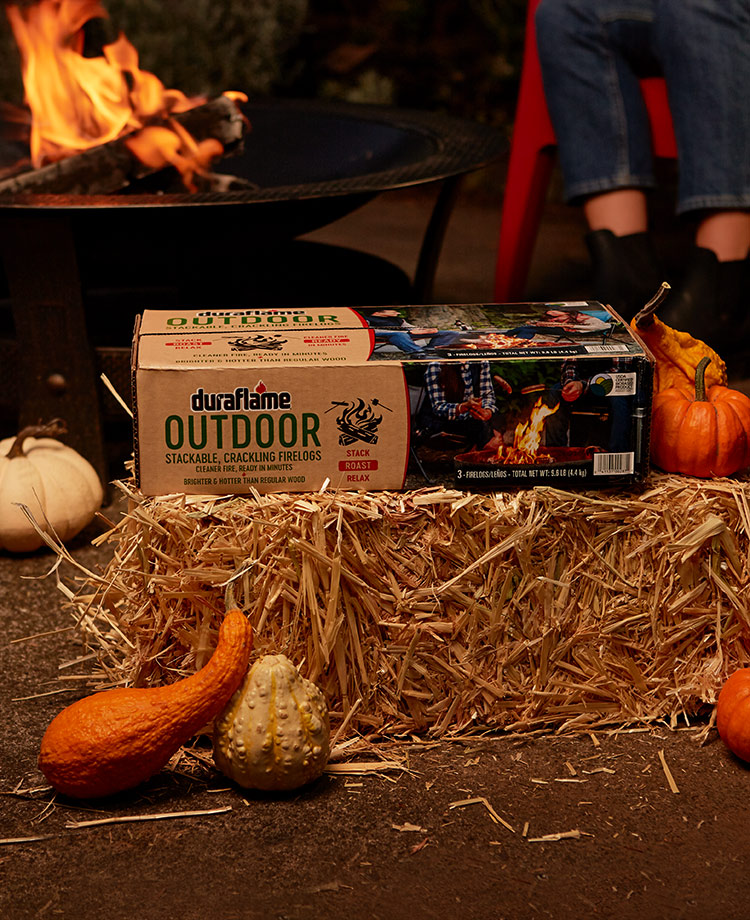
column 527, row 437
column 79, row 102
column 499, row 340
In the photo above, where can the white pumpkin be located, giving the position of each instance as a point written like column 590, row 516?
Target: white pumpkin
column 274, row 733
column 60, row 487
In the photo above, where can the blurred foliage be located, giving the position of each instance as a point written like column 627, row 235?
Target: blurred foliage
column 207, row 46
column 458, row 56
column 204, row 46
column 11, row 89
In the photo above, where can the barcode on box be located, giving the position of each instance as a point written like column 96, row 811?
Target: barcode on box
column 603, row 349
column 614, row 464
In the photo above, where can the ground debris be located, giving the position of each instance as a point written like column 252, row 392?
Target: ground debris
column 561, row 835
column 362, row 768
column 481, row 800
column 160, row 816
column 6, row 841
column 330, row 886
column 668, row 773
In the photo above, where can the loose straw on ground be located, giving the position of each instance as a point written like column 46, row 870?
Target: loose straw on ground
column 668, row 773
column 481, row 800
column 7, row 841
column 160, row 816
column 562, row 835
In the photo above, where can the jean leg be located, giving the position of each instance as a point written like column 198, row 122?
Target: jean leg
column 704, row 46
column 402, row 340
column 592, row 53
column 443, row 339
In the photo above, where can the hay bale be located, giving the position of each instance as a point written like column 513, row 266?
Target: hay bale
column 436, row 611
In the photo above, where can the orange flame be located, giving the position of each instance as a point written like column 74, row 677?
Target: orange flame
column 499, row 340
column 79, row 102
column 528, row 436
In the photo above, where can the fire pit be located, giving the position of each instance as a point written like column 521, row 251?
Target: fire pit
column 552, row 464
column 92, row 228
column 559, row 456
column 69, row 258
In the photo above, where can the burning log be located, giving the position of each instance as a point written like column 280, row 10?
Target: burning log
column 93, row 118
column 111, row 167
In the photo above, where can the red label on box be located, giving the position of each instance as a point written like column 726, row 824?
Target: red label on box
column 348, row 466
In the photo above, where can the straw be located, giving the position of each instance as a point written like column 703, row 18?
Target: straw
column 435, row 613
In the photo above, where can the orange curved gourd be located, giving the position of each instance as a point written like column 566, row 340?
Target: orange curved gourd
column 733, row 713
column 676, row 352
column 116, row 739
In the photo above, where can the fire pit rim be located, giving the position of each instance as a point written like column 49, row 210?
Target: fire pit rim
column 482, row 458
column 461, row 146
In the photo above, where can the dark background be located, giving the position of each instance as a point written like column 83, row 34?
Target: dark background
column 461, row 57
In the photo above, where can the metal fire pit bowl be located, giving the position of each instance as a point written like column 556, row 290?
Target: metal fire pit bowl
column 310, row 163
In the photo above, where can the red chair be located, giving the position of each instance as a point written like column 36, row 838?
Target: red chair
column 532, row 157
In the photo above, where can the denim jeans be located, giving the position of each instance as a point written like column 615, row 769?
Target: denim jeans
column 402, row 340
column 592, row 54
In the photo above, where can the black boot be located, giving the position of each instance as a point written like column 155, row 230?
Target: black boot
column 626, row 270
column 712, row 303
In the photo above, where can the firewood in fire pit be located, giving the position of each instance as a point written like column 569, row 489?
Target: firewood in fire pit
column 111, row 167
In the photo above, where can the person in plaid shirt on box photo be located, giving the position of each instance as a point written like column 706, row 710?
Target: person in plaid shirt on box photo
column 463, row 400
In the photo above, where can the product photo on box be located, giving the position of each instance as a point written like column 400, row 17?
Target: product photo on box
column 478, row 396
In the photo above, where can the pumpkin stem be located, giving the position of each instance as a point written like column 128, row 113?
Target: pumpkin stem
column 645, row 316
column 700, row 379
column 53, row 429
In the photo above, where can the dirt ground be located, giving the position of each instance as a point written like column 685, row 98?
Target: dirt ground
column 642, row 824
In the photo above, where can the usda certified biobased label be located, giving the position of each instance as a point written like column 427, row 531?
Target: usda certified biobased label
column 614, row 384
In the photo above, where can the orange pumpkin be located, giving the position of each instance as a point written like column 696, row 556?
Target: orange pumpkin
column 733, row 713
column 702, row 433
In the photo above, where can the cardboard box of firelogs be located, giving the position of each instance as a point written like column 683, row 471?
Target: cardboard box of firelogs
column 476, row 396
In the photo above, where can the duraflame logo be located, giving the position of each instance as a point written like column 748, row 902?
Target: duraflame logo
column 241, row 399
column 269, row 312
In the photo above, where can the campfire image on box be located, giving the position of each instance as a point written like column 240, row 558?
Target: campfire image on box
column 357, row 420
column 496, row 340
column 527, row 447
column 258, row 342
column 527, row 437
column 493, row 420
column 97, row 113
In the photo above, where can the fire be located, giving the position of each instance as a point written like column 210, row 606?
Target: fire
column 78, row 102
column 528, row 436
column 357, row 421
column 499, row 340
